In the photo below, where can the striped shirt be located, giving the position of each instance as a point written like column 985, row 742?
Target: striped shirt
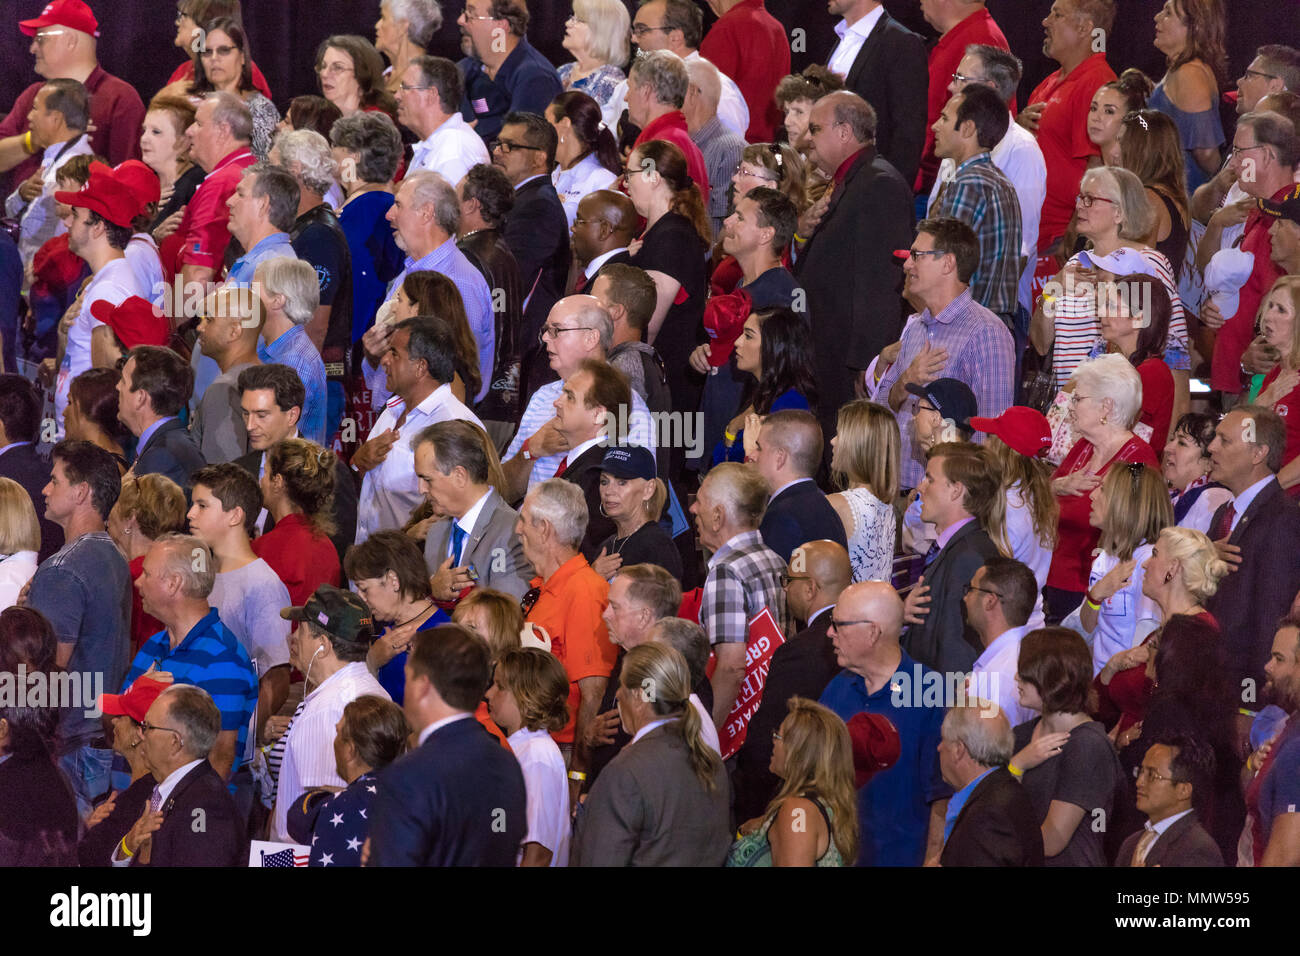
column 981, row 196
column 981, row 353
column 744, row 577
column 1077, row 330
column 210, row 657
column 295, row 349
column 721, row 149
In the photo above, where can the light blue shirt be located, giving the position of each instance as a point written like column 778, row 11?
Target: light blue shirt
column 958, row 800
column 295, row 349
column 148, row 433
column 274, row 246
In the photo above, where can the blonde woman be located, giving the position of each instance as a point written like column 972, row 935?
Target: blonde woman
column 664, row 800
column 148, row 507
column 1281, row 387
column 813, row 819
column 865, row 454
column 497, row 618
column 20, row 540
column 1130, row 508
column 598, row 35
column 634, row 498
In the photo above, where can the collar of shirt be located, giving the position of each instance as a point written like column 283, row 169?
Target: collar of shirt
column 947, row 533
column 176, row 776
column 148, row 432
column 1011, row 635
column 514, row 61
column 708, row 131
column 736, row 541
column 340, row 676
column 525, row 182
column 862, row 26
column 673, row 119
column 842, row 173
column 958, row 800
column 439, row 724
column 427, row 407
column 55, row 150
column 14, row 444
column 788, row 484
column 950, row 311
column 653, row 725
column 576, row 453
column 594, row 265
column 556, row 582
column 976, row 160
column 819, row 612
column 432, row 260
column 274, row 239
column 976, row 22
column 467, row 520
column 1243, row 500
column 231, row 157
column 524, row 736
column 1167, row 822
column 451, row 124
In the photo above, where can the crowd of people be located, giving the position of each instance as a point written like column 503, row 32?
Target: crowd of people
column 658, row 458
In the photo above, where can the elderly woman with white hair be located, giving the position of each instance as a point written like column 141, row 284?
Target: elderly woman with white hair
column 1111, row 212
column 597, row 34
column 1104, row 405
column 404, row 31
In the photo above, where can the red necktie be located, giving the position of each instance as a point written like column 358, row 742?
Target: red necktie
column 1224, row 527
column 581, row 284
column 564, row 465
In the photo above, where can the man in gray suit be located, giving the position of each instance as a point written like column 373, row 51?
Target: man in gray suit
column 474, row 541
column 1174, row 770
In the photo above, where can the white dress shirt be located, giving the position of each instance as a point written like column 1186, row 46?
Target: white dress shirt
column 390, row 490
column 466, row 521
column 583, row 177
column 594, row 265
column 993, row 676
column 852, row 36
column 450, row 150
column 546, row 785
column 439, row 724
column 733, row 111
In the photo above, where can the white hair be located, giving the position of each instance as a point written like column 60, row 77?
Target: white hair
column 296, row 281
column 429, row 187
column 423, row 18
column 1113, row 377
column 307, row 150
column 562, row 504
column 983, row 730
column 609, row 25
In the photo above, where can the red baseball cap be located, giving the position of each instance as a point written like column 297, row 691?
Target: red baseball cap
column 876, row 745
column 73, row 14
column 139, row 697
column 724, row 320
column 105, row 194
column 135, row 322
column 1025, row 430
column 140, row 181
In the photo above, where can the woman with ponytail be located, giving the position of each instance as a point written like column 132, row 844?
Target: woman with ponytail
column 673, row 251
column 298, row 492
column 664, row 800
column 586, row 154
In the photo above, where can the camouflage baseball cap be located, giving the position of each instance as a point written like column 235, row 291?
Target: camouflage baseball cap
column 337, row 612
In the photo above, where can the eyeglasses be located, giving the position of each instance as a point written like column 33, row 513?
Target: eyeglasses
column 1140, row 772
column 640, row 29
column 221, row 51
column 1236, row 150
column 470, row 16
column 551, row 331
column 915, row 254
column 765, row 175
column 964, row 79
column 529, row 599
column 787, row 579
column 333, row 69
column 840, row 625
column 1267, row 76
column 48, row 34
column 146, row 727
column 405, row 88
column 1076, row 398
column 509, row 146
column 1086, row 200
column 967, row 588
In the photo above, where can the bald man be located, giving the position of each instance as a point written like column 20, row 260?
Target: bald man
column 720, row 147
column 901, row 810
column 605, row 226
column 801, row 667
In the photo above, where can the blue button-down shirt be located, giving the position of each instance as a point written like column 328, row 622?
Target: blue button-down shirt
column 274, row 246
column 296, row 350
column 958, row 801
column 148, row 433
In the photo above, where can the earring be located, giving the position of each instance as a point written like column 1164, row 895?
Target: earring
column 1169, row 576
column 1103, row 419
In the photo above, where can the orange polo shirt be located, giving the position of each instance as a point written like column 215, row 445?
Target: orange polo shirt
column 570, row 606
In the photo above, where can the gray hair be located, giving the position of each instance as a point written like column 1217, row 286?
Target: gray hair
column 429, row 187
column 1113, row 377
column 982, row 728
column 855, row 113
column 197, row 717
column 665, row 73
column 69, row 97
column 296, row 281
column 741, row 490
column 688, row 639
column 308, row 150
column 1130, row 196
column 597, row 318
column 704, row 77
column 230, row 111
column 375, row 140
column 562, row 504
column 1001, row 67
column 186, row 555
column 1276, row 132
column 276, row 185
column 610, row 26
column 423, row 18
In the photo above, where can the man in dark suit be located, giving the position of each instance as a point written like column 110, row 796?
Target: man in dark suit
column 1256, row 533
column 850, row 273
column 458, row 798
column 20, row 423
column 956, row 487
column 801, row 667
column 1174, row 771
column 156, row 384
column 886, row 64
column 271, row 398
column 180, row 730
column 604, row 228
column 789, row 454
column 478, row 530
column 537, row 231
column 585, row 415
column 990, row 820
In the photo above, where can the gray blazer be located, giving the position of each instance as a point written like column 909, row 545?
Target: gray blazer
column 492, row 547
column 647, row 808
column 1185, row 843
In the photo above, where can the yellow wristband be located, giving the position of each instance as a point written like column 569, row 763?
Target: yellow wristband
column 27, row 143
column 1015, row 771
column 125, row 852
column 577, row 775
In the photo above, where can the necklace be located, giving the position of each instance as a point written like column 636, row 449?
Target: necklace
column 618, row 548
column 427, row 607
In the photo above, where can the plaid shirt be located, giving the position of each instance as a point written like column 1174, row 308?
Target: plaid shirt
column 981, row 353
column 744, row 577
column 981, row 196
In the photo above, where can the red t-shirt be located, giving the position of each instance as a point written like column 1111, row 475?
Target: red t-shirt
column 978, row 28
column 1289, row 408
column 301, row 558
column 186, row 72
column 202, row 236
column 143, row 626
column 1157, row 401
column 672, row 127
column 750, row 46
column 1063, row 138
column 1076, row 538
column 1239, row 329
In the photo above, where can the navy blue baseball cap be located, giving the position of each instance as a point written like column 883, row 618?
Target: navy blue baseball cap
column 951, row 397
column 629, row 461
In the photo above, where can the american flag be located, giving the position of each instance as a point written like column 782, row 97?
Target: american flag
column 284, row 858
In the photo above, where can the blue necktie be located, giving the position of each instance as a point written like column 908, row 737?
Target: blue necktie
column 458, row 536
column 931, row 554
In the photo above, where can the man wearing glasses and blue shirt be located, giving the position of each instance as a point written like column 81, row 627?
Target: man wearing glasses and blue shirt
column 503, row 72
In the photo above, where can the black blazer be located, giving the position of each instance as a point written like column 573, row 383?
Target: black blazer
column 585, row 473
column 797, row 515
column 27, row 466
column 944, row 641
column 345, row 500
column 852, row 279
column 537, row 232
column 171, row 451
column 180, row 841
column 892, row 73
column 582, row 284
column 488, row 251
column 997, row 826
column 801, row 667
column 1251, row 599
column 1185, row 843
column 97, row 846
column 456, row 800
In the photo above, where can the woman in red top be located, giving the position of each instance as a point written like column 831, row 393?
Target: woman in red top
column 1281, row 387
column 298, row 491
column 148, row 507
column 1135, row 324
column 1104, row 406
